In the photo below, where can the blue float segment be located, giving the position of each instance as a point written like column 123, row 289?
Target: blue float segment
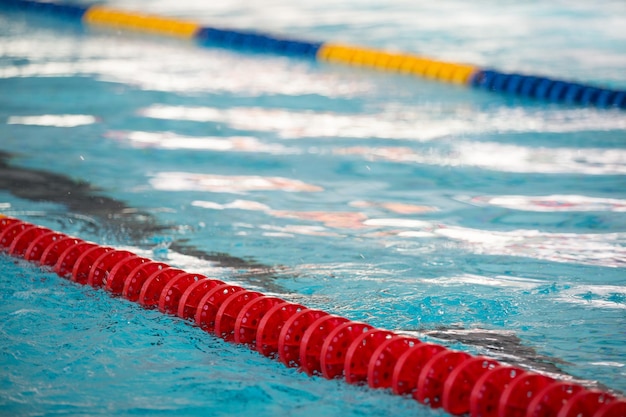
column 73, row 11
column 619, row 100
column 256, row 42
column 547, row 89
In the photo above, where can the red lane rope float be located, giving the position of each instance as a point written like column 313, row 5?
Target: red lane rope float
column 138, row 276
column 271, row 325
column 151, row 289
column 68, row 257
column 118, row 274
column 384, row 359
column 487, row 392
column 313, row 341
column 316, row 342
column 39, row 244
column 8, row 235
column 516, row 396
column 226, row 317
column 334, row 350
column 585, row 403
column 22, row 241
column 102, row 266
column 292, row 334
column 209, row 305
column 434, row 375
column 192, row 296
column 84, row 263
column 360, row 353
column 458, row 385
column 409, row 365
column 250, row 316
column 174, row 289
column 551, row 399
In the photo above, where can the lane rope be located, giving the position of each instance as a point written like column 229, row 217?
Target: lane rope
column 316, row 342
column 513, row 84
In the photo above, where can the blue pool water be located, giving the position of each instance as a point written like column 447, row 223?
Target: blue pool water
column 414, row 206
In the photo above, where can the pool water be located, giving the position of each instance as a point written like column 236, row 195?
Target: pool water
column 423, row 208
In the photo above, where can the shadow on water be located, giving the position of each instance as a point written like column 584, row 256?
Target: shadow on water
column 135, row 227
column 130, row 225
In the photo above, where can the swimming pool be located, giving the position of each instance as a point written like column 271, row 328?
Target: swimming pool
column 411, row 205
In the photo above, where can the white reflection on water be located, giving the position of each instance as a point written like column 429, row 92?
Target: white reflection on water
column 171, row 141
column 550, row 203
column 602, row 296
column 138, row 61
column 496, row 281
column 186, row 181
column 506, row 158
column 53, row 120
column 420, row 123
column 601, row 249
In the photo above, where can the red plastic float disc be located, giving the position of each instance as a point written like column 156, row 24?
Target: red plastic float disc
column 68, row 258
column 8, row 221
column 250, row 316
column 360, row 352
column 84, row 263
column 211, row 303
column 116, row 278
column 174, row 289
column 190, row 299
column 585, row 403
column 335, row 347
column 434, row 374
column 384, row 358
column 459, row 384
column 103, row 265
column 409, row 365
column 138, row 276
column 10, row 233
column 615, row 408
column 24, row 239
column 551, row 399
column 36, row 248
column 485, row 395
column 515, row 398
column 226, row 316
column 291, row 335
column 271, row 325
column 52, row 252
column 313, row 340
column 151, row 289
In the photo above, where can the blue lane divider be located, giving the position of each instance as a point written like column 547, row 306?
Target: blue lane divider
column 75, row 11
column 521, row 85
column 256, row 42
column 547, row 89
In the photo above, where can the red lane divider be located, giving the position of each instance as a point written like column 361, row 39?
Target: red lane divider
column 516, row 396
column 292, row 334
column 35, row 249
column 316, row 342
column 384, row 359
column 407, row 369
column 271, row 326
column 458, row 385
column 249, row 319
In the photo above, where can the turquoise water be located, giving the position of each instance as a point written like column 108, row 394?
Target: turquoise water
column 412, row 205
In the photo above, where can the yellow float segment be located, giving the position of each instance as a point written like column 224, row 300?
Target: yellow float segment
column 104, row 16
column 393, row 62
